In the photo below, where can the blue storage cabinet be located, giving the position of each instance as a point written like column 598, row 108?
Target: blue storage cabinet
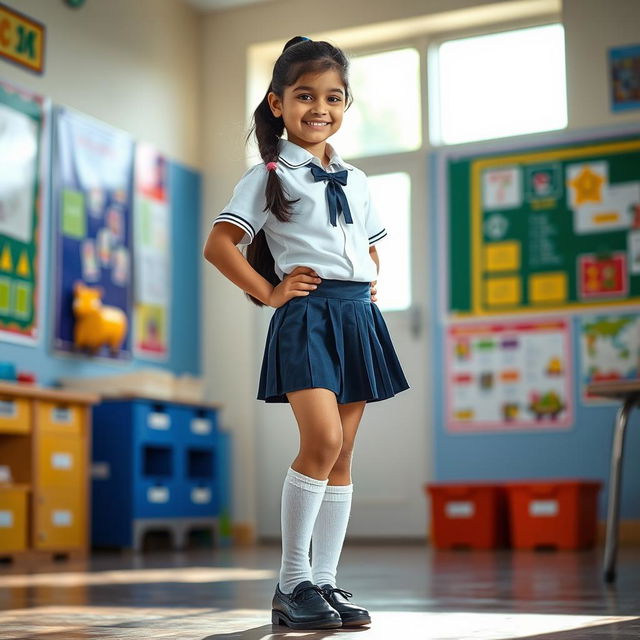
column 157, row 465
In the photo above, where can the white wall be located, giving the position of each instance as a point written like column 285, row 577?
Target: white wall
column 231, row 347
column 134, row 65
column 591, row 28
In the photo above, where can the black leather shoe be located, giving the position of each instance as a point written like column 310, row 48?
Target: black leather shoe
column 351, row 614
column 304, row 608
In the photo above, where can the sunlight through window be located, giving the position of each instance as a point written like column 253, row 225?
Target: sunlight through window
column 499, row 85
column 391, row 194
column 385, row 114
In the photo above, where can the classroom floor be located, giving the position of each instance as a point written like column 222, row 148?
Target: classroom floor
column 411, row 590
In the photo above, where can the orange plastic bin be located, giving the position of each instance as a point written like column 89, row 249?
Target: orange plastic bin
column 468, row 515
column 561, row 514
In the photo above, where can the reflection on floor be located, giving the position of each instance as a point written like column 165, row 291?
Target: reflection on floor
column 412, row 592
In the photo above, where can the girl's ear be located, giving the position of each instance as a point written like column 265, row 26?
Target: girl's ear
column 275, row 104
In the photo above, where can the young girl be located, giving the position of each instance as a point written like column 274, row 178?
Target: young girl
column 311, row 229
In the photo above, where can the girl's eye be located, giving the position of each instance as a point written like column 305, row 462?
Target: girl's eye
column 335, row 99
column 305, row 96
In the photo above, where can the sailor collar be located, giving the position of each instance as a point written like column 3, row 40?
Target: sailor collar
column 294, row 156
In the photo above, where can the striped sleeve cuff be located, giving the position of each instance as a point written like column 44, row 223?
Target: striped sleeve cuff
column 238, row 221
column 378, row 236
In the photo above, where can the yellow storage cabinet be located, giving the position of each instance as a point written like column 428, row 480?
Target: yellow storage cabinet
column 61, row 461
column 45, row 444
column 13, row 518
column 60, row 520
column 60, row 418
column 15, row 414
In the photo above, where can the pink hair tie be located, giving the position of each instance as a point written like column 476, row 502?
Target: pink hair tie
column 271, row 166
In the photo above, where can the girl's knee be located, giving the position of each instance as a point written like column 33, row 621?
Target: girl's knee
column 330, row 445
column 343, row 461
column 325, row 448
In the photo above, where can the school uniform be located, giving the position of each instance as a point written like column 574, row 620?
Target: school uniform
column 335, row 337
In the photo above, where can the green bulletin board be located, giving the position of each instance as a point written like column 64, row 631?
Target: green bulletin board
column 21, row 127
column 556, row 228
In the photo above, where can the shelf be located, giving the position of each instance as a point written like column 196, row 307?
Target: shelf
column 200, row 463
column 157, row 461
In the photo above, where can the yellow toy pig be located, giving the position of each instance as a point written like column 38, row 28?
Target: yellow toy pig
column 96, row 325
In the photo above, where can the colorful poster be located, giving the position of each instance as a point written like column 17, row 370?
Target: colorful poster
column 544, row 230
column 624, row 73
column 610, row 349
column 22, row 118
column 92, row 202
column 602, row 276
column 152, row 254
column 508, row 376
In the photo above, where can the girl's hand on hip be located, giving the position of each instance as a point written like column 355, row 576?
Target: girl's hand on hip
column 298, row 283
column 374, row 291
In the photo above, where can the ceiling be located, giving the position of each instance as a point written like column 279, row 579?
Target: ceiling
column 220, row 5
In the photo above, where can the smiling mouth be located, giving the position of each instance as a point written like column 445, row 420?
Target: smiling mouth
column 316, row 125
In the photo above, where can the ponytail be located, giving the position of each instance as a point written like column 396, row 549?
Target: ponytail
column 299, row 56
column 268, row 129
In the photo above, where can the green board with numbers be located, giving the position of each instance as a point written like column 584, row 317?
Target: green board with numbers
column 556, row 228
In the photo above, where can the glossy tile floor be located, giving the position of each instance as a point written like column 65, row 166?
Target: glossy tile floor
column 412, row 592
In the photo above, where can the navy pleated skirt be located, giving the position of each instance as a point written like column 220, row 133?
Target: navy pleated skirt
column 334, row 338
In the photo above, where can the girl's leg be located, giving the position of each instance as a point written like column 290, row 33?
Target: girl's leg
column 320, row 427
column 331, row 523
column 350, row 417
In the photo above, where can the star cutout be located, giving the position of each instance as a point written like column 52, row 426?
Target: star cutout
column 588, row 186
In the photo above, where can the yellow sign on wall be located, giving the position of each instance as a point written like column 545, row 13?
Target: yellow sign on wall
column 502, row 256
column 21, row 39
column 548, row 287
column 503, row 292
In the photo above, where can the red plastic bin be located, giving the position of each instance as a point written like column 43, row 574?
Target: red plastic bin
column 468, row 515
column 561, row 514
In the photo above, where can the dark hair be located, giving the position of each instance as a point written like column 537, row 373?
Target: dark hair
column 299, row 56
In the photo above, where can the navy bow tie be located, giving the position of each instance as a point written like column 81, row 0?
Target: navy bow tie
column 336, row 198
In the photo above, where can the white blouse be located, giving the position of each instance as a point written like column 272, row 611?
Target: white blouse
column 309, row 239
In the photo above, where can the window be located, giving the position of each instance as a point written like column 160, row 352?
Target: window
column 385, row 114
column 385, row 118
column 391, row 193
column 498, row 85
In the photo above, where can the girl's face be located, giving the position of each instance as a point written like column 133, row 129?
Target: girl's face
column 312, row 109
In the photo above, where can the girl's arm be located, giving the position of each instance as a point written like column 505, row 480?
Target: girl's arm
column 221, row 251
column 376, row 258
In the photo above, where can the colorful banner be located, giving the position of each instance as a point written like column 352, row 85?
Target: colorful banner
column 508, row 376
column 610, row 350
column 152, row 254
column 21, row 133
column 92, row 201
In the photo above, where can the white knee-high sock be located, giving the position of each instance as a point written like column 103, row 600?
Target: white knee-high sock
column 301, row 500
column 329, row 532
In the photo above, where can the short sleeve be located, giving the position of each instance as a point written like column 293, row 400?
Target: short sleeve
column 246, row 209
column 374, row 227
